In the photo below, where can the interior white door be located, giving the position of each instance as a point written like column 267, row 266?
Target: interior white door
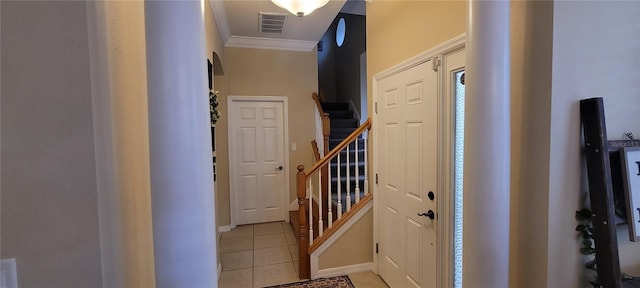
column 407, row 145
column 259, row 161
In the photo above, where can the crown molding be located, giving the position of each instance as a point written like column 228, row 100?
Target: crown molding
column 271, row 43
column 221, row 19
column 229, row 40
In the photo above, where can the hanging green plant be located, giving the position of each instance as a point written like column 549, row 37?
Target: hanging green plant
column 213, row 107
column 585, row 228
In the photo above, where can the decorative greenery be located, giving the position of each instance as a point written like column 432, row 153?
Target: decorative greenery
column 585, row 228
column 213, row 107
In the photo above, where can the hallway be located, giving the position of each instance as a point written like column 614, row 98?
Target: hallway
column 266, row 254
column 258, row 255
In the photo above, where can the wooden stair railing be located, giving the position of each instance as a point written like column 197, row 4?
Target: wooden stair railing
column 326, row 132
column 326, row 123
column 320, row 173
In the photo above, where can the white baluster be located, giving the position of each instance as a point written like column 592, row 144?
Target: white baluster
column 310, row 212
column 366, row 157
column 320, row 222
column 357, row 173
column 329, row 203
column 348, row 180
column 339, row 206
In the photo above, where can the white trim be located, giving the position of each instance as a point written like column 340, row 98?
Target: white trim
column 421, row 58
column 270, row 43
column 313, row 258
column 344, row 270
column 223, row 229
column 220, row 14
column 446, row 177
column 231, row 100
column 444, row 273
column 353, row 106
column 293, row 206
column 219, row 271
column 374, row 170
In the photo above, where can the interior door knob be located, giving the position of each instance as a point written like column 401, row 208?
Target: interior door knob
column 280, row 168
column 429, row 214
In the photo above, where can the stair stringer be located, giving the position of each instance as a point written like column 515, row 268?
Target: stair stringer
column 314, row 257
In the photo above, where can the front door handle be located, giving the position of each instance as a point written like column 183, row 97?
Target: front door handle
column 429, row 214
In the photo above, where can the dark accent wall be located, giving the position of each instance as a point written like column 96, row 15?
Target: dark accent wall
column 339, row 67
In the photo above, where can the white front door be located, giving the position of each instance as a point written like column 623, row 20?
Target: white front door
column 408, row 145
column 257, row 161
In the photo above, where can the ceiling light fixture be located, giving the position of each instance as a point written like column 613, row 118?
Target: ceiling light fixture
column 300, row 7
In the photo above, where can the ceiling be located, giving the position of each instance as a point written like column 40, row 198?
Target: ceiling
column 238, row 21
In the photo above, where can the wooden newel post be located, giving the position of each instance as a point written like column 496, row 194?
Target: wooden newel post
column 326, row 131
column 303, row 229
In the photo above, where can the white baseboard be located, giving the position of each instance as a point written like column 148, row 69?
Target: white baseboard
column 224, row 228
column 293, row 206
column 344, row 270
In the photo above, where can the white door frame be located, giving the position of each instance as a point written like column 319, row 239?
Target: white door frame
column 445, row 159
column 231, row 102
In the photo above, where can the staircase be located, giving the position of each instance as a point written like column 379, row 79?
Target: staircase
column 333, row 190
column 344, row 123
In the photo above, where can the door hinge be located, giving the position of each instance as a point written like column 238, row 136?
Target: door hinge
column 376, row 178
column 376, row 107
column 435, row 63
column 376, row 248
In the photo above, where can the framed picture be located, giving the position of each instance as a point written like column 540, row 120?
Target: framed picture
column 210, row 70
column 630, row 159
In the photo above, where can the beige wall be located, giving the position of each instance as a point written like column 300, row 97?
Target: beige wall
column 353, row 247
column 49, row 212
column 595, row 60
column 260, row 72
column 556, row 61
column 213, row 38
column 531, row 47
column 545, row 159
column 119, row 92
column 398, row 30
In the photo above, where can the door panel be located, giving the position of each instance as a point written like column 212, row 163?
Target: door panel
column 258, row 143
column 407, row 173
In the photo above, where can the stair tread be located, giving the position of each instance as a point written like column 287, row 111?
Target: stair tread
column 333, row 121
column 344, row 164
column 352, row 178
column 340, row 114
column 335, row 106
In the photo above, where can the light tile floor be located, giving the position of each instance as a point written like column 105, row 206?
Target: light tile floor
column 258, row 255
column 266, row 254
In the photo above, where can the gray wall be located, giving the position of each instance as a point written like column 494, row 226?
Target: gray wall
column 339, row 67
column 49, row 209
